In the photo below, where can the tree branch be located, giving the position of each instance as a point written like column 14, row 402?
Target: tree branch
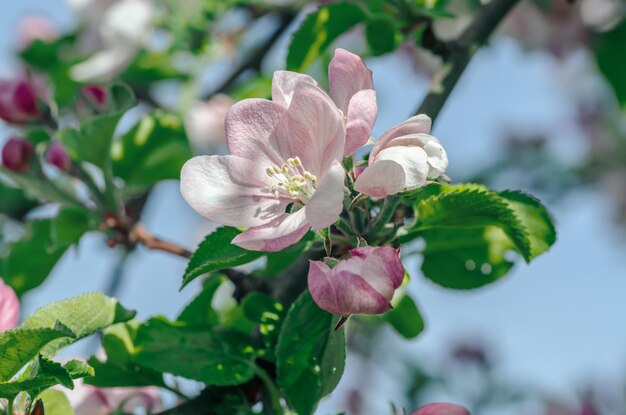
column 460, row 53
column 141, row 235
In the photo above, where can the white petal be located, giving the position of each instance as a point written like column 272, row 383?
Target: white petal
column 324, row 208
column 413, row 160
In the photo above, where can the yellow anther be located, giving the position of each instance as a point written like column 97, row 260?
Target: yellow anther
column 270, row 171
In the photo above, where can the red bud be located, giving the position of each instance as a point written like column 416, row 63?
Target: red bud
column 16, row 154
column 19, row 101
column 58, row 157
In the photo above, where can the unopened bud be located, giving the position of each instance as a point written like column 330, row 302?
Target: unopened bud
column 16, row 154
column 19, row 101
column 96, row 94
column 441, row 409
column 58, row 157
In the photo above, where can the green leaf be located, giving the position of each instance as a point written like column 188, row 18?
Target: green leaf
column 467, row 206
column 19, row 346
column 200, row 312
column 310, row 354
column 119, row 369
column 69, row 226
column 92, row 142
column 155, row 149
column 535, row 218
column 466, row 258
column 382, row 35
column 269, row 314
column 217, row 252
column 216, row 357
column 31, row 259
column 83, row 315
column 405, row 318
column 609, row 50
column 56, row 403
column 319, row 30
column 44, row 374
column 14, row 203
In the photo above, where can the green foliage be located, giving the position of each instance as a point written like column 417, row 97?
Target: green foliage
column 154, row 150
column 405, row 318
column 56, row 403
column 119, row 369
column 13, row 202
column 319, row 30
column 19, row 346
column 30, row 260
column 382, row 35
column 269, row 314
column 609, row 50
column 310, row 354
column 217, row 252
column 200, row 312
column 216, row 357
column 83, row 315
column 470, row 233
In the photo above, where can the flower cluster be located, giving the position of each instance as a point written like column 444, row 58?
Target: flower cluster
column 284, row 176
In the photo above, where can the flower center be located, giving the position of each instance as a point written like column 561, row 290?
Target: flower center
column 291, row 180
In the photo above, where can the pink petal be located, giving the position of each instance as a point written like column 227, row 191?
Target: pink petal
column 343, row 293
column 361, row 116
column 381, row 268
column 419, row 124
column 229, row 190
column 276, row 235
column 285, row 82
column 324, row 208
column 254, row 131
column 315, row 131
column 347, row 75
column 414, row 162
column 381, row 179
column 441, row 409
column 9, row 307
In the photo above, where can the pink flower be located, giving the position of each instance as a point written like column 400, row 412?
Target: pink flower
column 16, row 154
column 89, row 400
column 205, row 122
column 352, row 89
column 361, row 284
column 283, row 176
column 441, row 409
column 404, row 157
column 19, row 101
column 34, row 28
column 58, row 157
column 9, row 307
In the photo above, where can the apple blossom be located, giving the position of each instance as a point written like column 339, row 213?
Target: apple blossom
column 58, row 157
column 283, row 176
column 9, row 307
column 19, row 101
column 34, row 28
column 362, row 284
column 205, row 122
column 404, row 157
column 89, row 400
column 123, row 29
column 441, row 409
column 16, row 154
column 352, row 89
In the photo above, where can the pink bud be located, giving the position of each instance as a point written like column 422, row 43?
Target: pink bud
column 19, row 101
column 96, row 96
column 361, row 284
column 9, row 307
column 58, row 157
column 441, row 409
column 16, row 154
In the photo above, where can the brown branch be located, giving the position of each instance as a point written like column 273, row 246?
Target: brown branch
column 139, row 234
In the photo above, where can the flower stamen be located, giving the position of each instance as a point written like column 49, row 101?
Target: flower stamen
column 292, row 181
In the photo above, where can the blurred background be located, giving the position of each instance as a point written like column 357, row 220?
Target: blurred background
column 532, row 112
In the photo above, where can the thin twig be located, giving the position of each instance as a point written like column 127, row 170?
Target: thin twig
column 141, row 235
